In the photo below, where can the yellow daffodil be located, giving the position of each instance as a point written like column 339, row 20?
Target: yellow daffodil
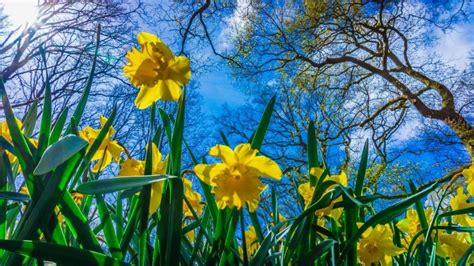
column 376, row 246
column 156, row 71
column 109, row 149
column 306, row 191
column 190, row 235
column 341, row 178
column 194, row 199
column 453, row 246
column 468, row 174
column 132, row 167
column 459, row 202
column 411, row 225
column 251, row 241
column 316, row 172
column 77, row 197
column 5, row 133
column 236, row 180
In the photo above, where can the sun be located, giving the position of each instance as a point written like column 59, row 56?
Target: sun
column 20, row 12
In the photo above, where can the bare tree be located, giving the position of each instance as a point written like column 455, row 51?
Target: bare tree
column 66, row 32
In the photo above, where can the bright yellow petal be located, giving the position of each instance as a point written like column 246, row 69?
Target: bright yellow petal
column 470, row 188
column 141, row 69
column 208, row 172
column 155, row 197
column 264, row 166
column 115, row 149
column 132, row 167
column 245, row 152
column 146, row 97
column 169, row 90
column 234, row 192
column 102, row 162
column 180, row 70
column 144, row 37
column 155, row 153
column 317, row 172
column 404, row 225
column 225, row 153
column 342, row 179
column 306, row 191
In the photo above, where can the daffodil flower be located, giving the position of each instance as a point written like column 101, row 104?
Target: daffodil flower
column 194, row 199
column 306, row 191
column 458, row 202
column 108, row 150
column 156, row 71
column 376, row 246
column 453, row 246
column 5, row 133
column 132, row 167
column 468, row 174
column 236, row 180
column 411, row 225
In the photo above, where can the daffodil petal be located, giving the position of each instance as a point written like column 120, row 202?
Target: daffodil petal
column 223, row 152
column 146, row 97
column 144, row 37
column 155, row 197
column 245, row 153
column 316, row 171
column 169, row 90
column 140, row 69
column 264, row 166
column 102, row 162
column 131, row 167
column 208, row 172
column 180, row 70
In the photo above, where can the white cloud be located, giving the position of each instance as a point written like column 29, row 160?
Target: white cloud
column 236, row 24
column 408, row 131
column 454, row 46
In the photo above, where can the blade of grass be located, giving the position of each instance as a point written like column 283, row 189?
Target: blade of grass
column 57, row 253
column 111, row 185
column 171, row 209
column 257, row 139
column 77, row 115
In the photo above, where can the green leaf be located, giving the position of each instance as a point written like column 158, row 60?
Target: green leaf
column 109, row 230
column 171, row 208
column 15, row 196
column 30, row 119
column 270, row 240
column 58, row 153
column 256, row 224
column 7, row 146
column 85, row 94
column 361, row 172
column 110, row 185
column 456, row 212
column 318, row 251
column 312, row 152
column 57, row 253
column 58, row 127
column 78, row 223
column 259, row 134
column 19, row 140
column 45, row 127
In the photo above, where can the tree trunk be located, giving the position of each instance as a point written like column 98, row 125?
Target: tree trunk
column 463, row 129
